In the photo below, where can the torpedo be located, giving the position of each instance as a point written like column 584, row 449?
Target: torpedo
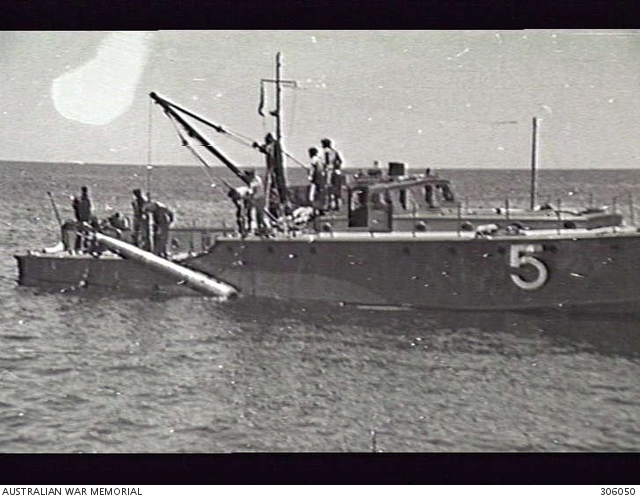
column 195, row 280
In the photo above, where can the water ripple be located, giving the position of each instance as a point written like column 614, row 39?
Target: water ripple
column 95, row 372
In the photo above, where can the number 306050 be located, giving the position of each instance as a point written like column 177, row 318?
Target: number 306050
column 617, row 491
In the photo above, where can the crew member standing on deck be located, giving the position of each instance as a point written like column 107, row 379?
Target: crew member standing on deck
column 82, row 210
column 277, row 195
column 333, row 162
column 240, row 196
column 255, row 201
column 317, row 177
column 140, row 221
column 162, row 218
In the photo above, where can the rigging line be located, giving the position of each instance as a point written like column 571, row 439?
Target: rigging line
column 249, row 140
column 242, row 141
column 296, row 161
column 293, row 112
column 218, row 128
column 149, row 133
column 207, row 168
column 188, row 145
column 232, row 134
column 240, row 138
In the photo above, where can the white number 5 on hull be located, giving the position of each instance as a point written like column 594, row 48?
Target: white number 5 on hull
column 520, row 255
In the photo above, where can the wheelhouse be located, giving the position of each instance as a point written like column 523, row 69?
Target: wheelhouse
column 372, row 204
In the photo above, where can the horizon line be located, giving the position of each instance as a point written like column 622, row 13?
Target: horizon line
column 409, row 167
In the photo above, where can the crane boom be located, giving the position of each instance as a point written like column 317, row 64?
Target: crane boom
column 170, row 109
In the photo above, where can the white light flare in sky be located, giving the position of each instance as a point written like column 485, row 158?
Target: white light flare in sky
column 103, row 88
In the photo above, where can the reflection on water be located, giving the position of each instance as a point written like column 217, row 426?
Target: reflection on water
column 606, row 333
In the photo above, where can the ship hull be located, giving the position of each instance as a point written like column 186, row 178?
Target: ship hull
column 107, row 274
column 577, row 269
column 465, row 274
column 508, row 273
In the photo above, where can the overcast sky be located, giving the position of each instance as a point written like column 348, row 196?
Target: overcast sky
column 430, row 99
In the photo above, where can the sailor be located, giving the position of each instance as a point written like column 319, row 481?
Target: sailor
column 82, row 210
column 335, row 180
column 140, row 235
column 275, row 170
column 118, row 224
column 118, row 221
column 240, row 196
column 162, row 218
column 82, row 206
column 92, row 246
column 255, row 201
column 317, row 179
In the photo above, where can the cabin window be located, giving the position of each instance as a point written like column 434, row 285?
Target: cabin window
column 428, row 196
column 379, row 200
column 358, row 212
column 380, row 211
column 403, row 198
column 447, row 194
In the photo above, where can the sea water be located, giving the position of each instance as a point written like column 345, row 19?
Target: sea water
column 104, row 373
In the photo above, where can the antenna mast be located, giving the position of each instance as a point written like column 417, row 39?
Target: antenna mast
column 278, row 98
column 279, row 83
column 275, row 176
column 534, row 161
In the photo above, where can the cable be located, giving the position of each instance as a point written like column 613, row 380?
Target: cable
column 149, row 133
column 188, row 145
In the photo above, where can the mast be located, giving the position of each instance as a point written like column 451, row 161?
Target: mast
column 534, row 161
column 280, row 84
column 275, row 175
column 278, row 98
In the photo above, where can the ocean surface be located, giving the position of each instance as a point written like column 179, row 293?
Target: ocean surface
column 82, row 373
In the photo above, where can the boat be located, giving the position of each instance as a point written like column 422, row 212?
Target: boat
column 379, row 251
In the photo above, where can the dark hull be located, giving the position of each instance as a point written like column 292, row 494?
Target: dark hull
column 470, row 274
column 579, row 269
column 104, row 275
